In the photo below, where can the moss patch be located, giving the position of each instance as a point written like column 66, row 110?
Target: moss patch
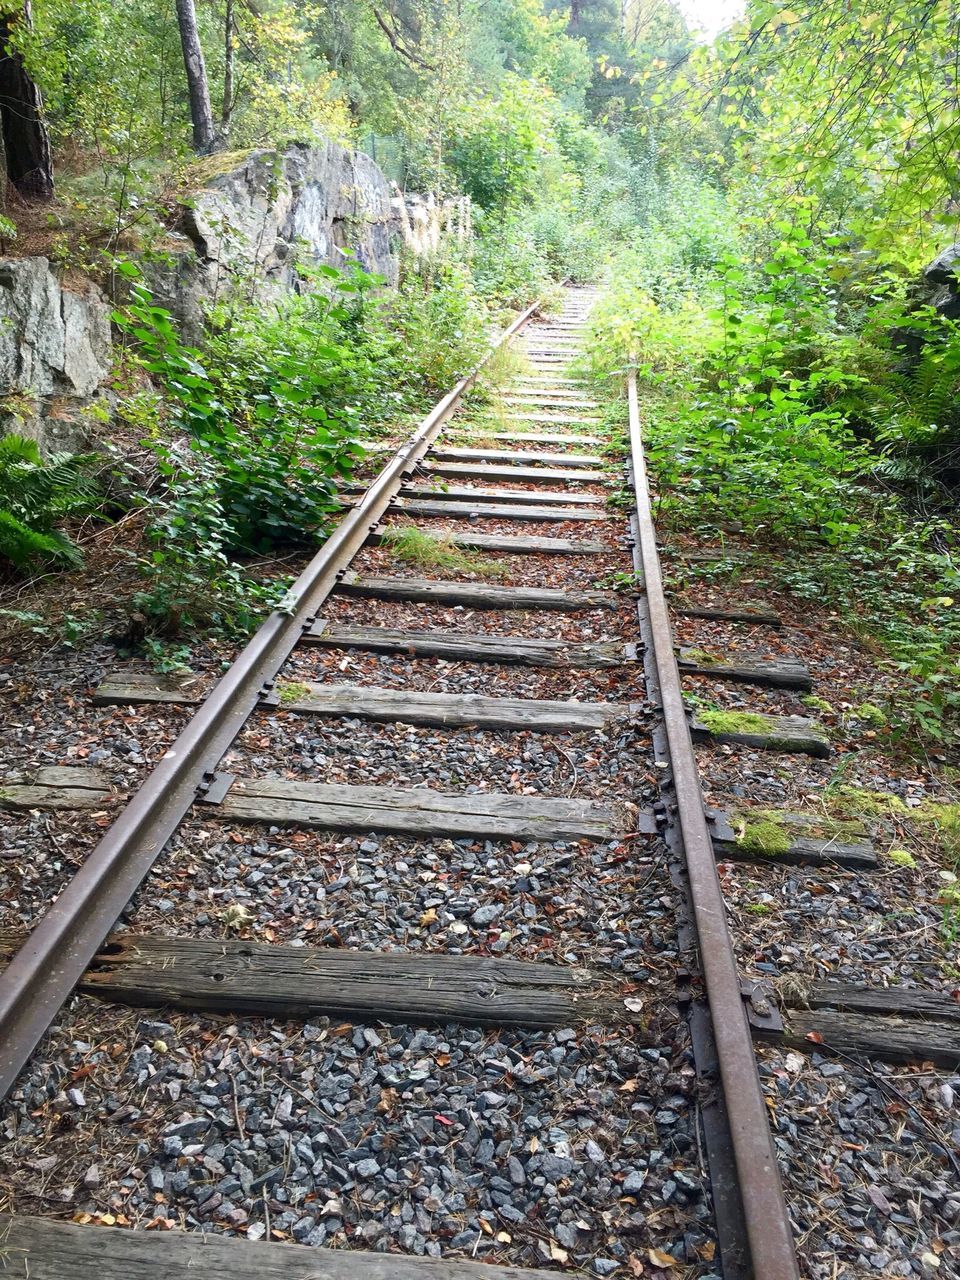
column 701, row 657
column 764, row 836
column 735, row 722
column 945, row 821
column 203, row 171
column 902, row 858
column 871, row 714
column 814, row 703
column 770, row 833
column 848, row 801
column 292, row 691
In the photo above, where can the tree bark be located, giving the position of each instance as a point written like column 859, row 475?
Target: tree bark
column 26, row 143
column 228, row 50
column 201, row 113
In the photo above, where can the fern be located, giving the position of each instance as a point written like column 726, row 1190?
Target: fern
column 35, row 494
column 934, row 383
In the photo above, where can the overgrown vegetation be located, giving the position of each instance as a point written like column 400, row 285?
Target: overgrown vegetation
column 798, row 391
column 527, row 109
column 36, row 494
column 436, row 551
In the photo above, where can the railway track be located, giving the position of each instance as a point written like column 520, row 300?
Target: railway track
column 499, row 749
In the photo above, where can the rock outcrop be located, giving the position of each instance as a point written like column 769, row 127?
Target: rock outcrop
column 941, row 283
column 54, row 353
column 254, row 222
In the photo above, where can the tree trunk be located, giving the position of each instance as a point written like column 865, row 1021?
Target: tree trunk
column 227, row 111
column 26, row 143
column 201, row 113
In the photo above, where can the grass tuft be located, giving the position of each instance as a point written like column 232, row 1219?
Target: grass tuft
column 430, row 551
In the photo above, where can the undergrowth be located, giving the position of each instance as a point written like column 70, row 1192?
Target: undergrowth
column 36, row 496
column 436, row 551
column 774, row 406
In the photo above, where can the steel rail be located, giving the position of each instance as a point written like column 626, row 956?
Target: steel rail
column 769, row 1232
column 40, row 977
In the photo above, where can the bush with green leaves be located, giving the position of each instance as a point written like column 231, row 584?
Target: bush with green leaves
column 763, row 407
column 264, row 406
column 36, row 494
column 192, row 581
column 265, row 423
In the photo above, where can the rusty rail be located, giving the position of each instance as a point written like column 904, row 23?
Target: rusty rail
column 40, row 977
column 769, row 1235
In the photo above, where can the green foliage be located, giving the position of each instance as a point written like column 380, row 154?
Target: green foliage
column 786, row 392
column 495, row 151
column 35, row 496
column 192, row 581
column 266, row 420
column 256, row 413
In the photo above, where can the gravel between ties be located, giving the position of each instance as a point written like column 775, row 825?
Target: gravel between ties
column 536, row 1149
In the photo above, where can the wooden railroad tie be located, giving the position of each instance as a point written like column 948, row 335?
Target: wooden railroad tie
column 768, row 733
column 801, row 839
column 476, row 431
column 505, row 544
column 352, row 701
column 756, row 616
column 419, row 811
column 515, row 497
column 894, row 1024
column 271, row 980
column 56, row 787
column 41, row 1249
column 246, row 977
column 467, row 511
column 549, row 416
column 472, row 595
column 556, row 654
column 493, row 471
column 780, row 673
column 518, row 456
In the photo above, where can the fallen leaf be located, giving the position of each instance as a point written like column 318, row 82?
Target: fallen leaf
column 661, row 1259
column 633, row 1003
column 629, row 1086
column 814, row 1036
column 428, row 917
column 556, row 1253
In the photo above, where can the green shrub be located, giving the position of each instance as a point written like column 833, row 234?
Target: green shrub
column 35, row 495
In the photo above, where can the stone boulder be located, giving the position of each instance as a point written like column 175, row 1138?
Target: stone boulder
column 941, row 285
column 54, row 353
column 53, row 341
column 265, row 212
